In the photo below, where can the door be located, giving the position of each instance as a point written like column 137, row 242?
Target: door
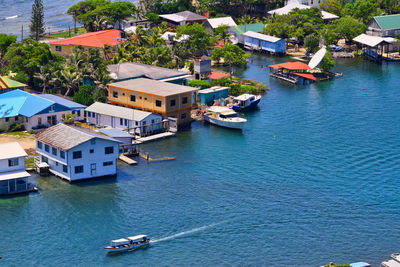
column 112, row 122
column 93, row 169
column 52, row 120
column 97, row 119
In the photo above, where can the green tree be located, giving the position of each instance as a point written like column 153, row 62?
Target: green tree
column 117, row 11
column 153, row 17
column 328, row 62
column 85, row 95
column 44, row 76
column 348, row 27
column 222, row 33
column 199, row 41
column 232, row 55
column 5, row 42
column 37, row 20
column 28, row 55
column 364, row 10
column 332, row 6
column 311, row 42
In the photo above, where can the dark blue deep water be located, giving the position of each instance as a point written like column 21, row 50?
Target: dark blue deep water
column 313, row 178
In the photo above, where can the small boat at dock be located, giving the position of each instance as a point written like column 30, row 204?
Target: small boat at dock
column 245, row 102
column 224, row 117
column 129, row 243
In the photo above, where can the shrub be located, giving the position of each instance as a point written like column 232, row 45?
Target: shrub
column 222, row 82
column 85, row 95
column 199, row 83
column 16, row 127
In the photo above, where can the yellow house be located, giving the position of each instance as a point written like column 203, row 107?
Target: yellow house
column 96, row 40
column 167, row 99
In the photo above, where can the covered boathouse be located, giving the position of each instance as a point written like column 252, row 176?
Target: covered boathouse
column 294, row 72
column 262, row 42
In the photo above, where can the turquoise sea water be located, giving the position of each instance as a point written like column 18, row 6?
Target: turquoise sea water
column 312, row 179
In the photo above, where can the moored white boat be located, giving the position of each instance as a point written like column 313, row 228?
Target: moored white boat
column 224, row 117
column 129, row 243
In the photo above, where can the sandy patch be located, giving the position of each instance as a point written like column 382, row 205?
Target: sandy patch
column 26, row 140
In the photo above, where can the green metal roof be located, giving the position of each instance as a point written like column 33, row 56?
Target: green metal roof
column 388, row 22
column 6, row 82
column 255, row 27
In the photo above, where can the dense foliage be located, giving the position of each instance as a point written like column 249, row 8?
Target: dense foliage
column 202, row 84
column 198, row 42
column 99, row 14
column 232, row 55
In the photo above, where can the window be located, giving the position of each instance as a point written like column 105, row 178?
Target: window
column 13, row 162
column 58, row 48
column 185, row 100
column 65, row 168
column 7, row 119
column 145, row 98
column 109, row 150
column 133, row 98
column 39, row 121
column 77, row 155
column 93, row 141
column 115, row 94
column 173, row 102
column 56, row 163
column 16, row 118
column 152, row 121
column 62, row 154
column 140, row 97
column 121, row 121
column 126, row 122
column 107, row 163
column 136, row 123
column 39, row 144
column 183, row 116
column 91, row 151
column 45, row 159
column 93, row 114
column 54, row 151
column 158, row 103
column 89, row 114
column 78, row 169
column 47, row 148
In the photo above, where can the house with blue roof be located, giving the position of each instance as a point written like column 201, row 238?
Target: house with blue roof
column 77, row 109
column 33, row 111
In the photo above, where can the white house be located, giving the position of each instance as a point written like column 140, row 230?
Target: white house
column 13, row 176
column 102, row 114
column 34, row 111
column 214, row 23
column 75, row 153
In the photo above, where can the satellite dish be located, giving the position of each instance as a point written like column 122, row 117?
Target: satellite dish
column 317, row 58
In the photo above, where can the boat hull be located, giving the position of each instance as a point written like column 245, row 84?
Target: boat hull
column 126, row 248
column 252, row 106
column 225, row 124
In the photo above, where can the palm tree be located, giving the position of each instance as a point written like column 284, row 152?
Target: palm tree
column 155, row 37
column 140, row 37
column 44, row 77
column 100, row 23
column 71, row 79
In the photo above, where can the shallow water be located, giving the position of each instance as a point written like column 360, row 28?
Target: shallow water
column 312, row 179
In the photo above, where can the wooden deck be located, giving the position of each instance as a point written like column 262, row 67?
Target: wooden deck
column 127, row 160
column 154, row 137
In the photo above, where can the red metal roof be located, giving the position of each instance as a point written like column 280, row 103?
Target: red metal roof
column 93, row 39
column 291, row 66
column 218, row 75
column 219, row 44
column 305, row 75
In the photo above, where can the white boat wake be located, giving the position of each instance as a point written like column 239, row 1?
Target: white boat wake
column 12, row 17
column 194, row 230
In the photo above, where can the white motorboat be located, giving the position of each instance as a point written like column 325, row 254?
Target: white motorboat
column 224, row 117
column 245, row 102
column 129, row 243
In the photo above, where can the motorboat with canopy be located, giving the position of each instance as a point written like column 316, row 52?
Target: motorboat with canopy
column 224, row 117
column 129, row 243
column 245, row 102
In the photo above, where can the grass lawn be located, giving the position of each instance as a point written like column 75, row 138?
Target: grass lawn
column 66, row 34
column 20, row 134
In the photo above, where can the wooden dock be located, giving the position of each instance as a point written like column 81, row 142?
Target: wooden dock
column 127, row 160
column 154, row 137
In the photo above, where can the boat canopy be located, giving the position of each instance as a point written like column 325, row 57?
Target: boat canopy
column 219, row 109
column 243, row 97
column 120, row 240
column 136, row 237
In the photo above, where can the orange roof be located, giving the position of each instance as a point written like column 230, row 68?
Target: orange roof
column 218, row 75
column 305, row 75
column 93, row 39
column 291, row 66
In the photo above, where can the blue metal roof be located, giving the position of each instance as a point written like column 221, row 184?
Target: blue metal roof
column 62, row 101
column 19, row 102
